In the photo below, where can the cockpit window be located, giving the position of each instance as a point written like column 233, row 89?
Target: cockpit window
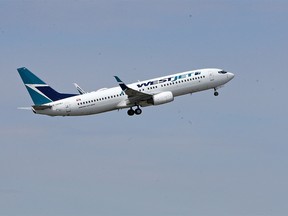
column 222, row 72
column 197, row 73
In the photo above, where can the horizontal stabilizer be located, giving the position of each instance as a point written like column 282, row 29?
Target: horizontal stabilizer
column 24, row 108
column 41, row 107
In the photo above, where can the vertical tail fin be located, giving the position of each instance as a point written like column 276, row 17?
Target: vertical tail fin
column 40, row 92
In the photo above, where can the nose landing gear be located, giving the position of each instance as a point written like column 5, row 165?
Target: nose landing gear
column 215, row 92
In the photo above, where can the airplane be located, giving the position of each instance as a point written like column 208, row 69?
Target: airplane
column 157, row 91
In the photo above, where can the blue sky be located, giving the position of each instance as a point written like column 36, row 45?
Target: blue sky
column 200, row 155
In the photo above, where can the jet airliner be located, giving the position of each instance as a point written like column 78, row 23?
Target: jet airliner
column 157, row 91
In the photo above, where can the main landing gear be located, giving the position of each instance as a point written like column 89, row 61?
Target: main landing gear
column 137, row 111
column 215, row 92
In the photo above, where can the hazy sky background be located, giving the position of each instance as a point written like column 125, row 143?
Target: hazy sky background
column 200, row 155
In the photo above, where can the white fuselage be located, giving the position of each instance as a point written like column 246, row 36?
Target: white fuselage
column 114, row 98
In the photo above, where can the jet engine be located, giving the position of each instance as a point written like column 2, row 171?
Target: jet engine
column 161, row 98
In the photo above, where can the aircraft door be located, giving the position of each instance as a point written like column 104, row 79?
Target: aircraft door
column 68, row 108
column 211, row 76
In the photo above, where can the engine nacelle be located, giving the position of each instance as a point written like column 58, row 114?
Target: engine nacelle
column 161, row 98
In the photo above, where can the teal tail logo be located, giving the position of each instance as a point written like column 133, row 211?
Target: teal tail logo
column 40, row 92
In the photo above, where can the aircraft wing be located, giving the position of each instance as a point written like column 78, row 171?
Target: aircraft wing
column 79, row 89
column 134, row 96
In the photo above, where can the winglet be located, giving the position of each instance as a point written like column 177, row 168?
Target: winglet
column 121, row 83
column 118, row 79
column 79, row 89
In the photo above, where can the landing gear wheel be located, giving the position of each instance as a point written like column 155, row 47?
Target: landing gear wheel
column 215, row 92
column 138, row 111
column 130, row 112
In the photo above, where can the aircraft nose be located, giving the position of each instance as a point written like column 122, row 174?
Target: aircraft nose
column 230, row 75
